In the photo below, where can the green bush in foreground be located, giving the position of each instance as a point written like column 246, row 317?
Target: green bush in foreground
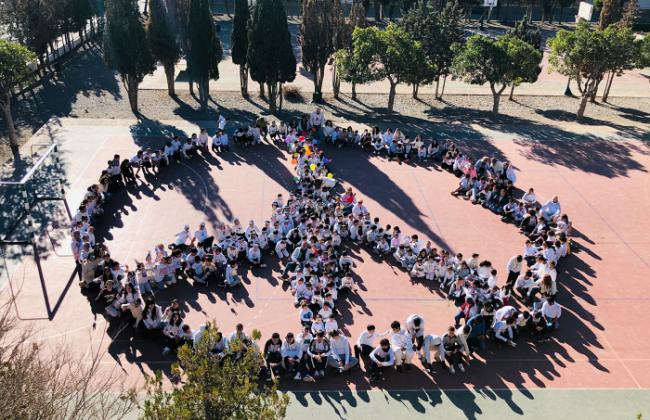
column 215, row 388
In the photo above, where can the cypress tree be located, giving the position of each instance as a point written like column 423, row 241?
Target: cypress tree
column 163, row 42
column 81, row 13
column 126, row 48
column 239, row 42
column 316, row 38
column 270, row 55
column 204, row 49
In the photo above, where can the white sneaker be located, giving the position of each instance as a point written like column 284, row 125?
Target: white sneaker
column 322, row 373
column 308, row 378
column 297, row 377
column 166, row 350
column 452, row 370
column 316, row 373
column 461, row 367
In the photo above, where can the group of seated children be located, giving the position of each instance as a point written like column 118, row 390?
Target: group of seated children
column 309, row 233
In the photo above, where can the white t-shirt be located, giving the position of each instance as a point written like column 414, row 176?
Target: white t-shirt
column 369, row 339
column 551, row 311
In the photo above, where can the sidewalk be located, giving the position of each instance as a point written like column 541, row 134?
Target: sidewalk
column 483, row 403
column 558, row 404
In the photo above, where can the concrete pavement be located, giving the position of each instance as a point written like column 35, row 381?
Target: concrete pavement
column 557, row 404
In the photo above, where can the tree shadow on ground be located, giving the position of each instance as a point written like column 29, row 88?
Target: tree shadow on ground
column 199, row 187
column 556, row 146
column 538, row 363
column 368, row 180
column 631, row 114
column 85, row 74
column 632, row 132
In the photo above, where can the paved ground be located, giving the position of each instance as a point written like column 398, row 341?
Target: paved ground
column 600, row 174
column 479, row 404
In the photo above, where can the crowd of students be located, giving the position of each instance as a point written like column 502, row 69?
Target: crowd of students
column 309, row 232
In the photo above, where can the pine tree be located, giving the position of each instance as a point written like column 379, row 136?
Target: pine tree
column 126, row 48
column 215, row 386
column 163, row 42
column 81, row 12
column 179, row 15
column 528, row 64
column 341, row 38
column 527, row 33
column 341, row 28
column 392, row 55
column 438, row 31
column 499, row 63
column 579, row 55
column 623, row 56
column 239, row 42
column 270, row 54
column 205, row 50
column 358, row 16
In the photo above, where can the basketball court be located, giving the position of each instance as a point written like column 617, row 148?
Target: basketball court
column 602, row 344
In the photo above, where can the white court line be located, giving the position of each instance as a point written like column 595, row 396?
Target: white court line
column 621, row 361
column 62, row 334
column 90, row 161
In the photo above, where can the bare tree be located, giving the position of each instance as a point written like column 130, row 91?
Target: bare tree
column 43, row 381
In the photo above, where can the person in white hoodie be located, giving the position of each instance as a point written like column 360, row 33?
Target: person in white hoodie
column 339, row 357
column 254, row 255
column 432, row 343
column 415, row 328
column 402, row 346
column 305, row 338
column 292, row 360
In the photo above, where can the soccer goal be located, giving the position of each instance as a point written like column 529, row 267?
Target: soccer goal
column 38, row 179
column 35, row 213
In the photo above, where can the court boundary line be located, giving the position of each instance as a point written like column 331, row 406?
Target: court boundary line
column 643, row 261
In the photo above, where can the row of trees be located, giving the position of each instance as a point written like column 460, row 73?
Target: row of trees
column 429, row 46
column 40, row 24
column 133, row 45
column 548, row 8
column 261, row 45
column 416, row 52
column 426, row 47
